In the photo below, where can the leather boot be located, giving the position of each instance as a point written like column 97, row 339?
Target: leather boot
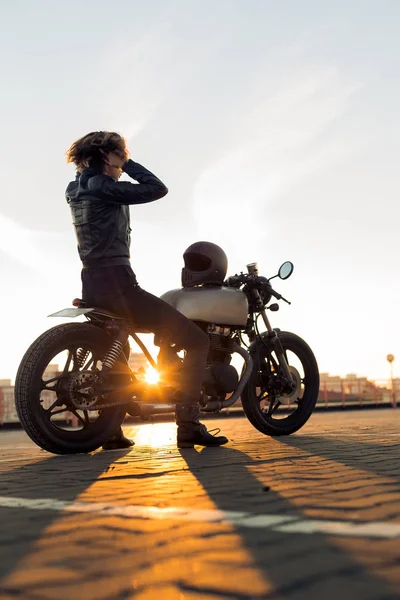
column 118, row 441
column 191, row 432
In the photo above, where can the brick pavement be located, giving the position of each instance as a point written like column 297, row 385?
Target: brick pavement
column 341, row 468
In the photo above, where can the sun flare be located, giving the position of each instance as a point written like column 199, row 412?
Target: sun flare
column 151, row 375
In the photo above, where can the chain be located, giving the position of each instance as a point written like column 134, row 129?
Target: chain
column 96, row 406
column 101, row 406
column 110, row 405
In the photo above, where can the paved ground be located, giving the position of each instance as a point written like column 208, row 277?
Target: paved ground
column 312, row 516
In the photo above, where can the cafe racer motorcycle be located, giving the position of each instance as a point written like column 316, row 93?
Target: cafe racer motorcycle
column 95, row 387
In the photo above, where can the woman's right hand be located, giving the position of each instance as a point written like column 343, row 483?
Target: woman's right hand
column 113, row 159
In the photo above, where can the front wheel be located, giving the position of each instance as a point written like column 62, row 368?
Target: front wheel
column 44, row 390
column 266, row 402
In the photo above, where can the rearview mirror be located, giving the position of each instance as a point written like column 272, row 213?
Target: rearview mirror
column 285, row 270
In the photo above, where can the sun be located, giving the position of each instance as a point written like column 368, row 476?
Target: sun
column 151, row 375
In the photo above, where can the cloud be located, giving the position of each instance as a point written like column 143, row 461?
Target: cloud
column 293, row 132
column 42, row 251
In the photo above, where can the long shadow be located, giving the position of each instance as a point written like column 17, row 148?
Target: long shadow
column 300, row 566
column 375, row 458
column 58, row 477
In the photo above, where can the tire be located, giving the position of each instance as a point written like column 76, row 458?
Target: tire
column 29, row 384
column 267, row 424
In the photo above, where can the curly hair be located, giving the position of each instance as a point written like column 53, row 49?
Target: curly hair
column 90, row 149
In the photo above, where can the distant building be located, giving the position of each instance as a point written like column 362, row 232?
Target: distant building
column 137, row 360
column 8, row 414
column 351, row 388
column 396, row 385
column 332, row 383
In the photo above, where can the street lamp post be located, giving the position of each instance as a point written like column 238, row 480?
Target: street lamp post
column 390, row 359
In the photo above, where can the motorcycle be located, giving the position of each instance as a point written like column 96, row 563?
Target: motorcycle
column 278, row 385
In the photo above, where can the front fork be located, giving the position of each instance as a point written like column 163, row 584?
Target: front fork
column 273, row 338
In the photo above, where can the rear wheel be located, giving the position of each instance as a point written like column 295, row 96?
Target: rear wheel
column 266, row 402
column 53, row 369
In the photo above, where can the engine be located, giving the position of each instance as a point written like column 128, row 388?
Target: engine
column 221, row 377
column 213, row 304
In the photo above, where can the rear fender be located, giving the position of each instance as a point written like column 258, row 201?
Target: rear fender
column 72, row 312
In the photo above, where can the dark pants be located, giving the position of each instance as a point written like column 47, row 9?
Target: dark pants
column 116, row 289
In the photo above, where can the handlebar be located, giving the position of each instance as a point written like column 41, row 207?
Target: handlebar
column 254, row 282
column 278, row 296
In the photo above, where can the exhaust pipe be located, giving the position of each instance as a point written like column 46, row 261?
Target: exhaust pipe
column 144, row 409
column 214, row 405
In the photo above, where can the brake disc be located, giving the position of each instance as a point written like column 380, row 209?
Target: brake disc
column 81, row 390
column 292, row 396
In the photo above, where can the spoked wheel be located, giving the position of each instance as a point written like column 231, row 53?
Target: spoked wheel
column 268, row 404
column 50, row 387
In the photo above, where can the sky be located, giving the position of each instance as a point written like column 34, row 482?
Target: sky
column 274, row 125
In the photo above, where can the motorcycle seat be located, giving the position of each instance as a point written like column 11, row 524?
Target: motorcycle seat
column 79, row 303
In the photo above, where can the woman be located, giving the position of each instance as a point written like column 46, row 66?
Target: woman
column 99, row 204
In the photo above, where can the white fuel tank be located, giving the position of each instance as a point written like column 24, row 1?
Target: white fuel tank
column 217, row 305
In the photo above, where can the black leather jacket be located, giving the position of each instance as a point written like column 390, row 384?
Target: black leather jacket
column 100, row 212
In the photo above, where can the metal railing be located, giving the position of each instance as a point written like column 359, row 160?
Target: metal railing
column 351, row 394
column 354, row 392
